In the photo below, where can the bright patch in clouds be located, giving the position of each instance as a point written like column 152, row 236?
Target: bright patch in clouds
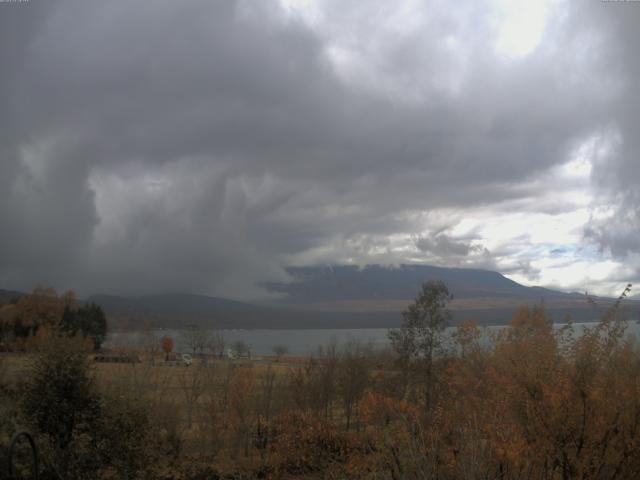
column 573, row 273
column 520, row 25
column 534, row 249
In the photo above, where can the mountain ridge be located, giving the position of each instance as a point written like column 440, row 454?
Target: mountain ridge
column 343, row 296
column 340, row 282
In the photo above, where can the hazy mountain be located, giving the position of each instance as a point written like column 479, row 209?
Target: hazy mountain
column 179, row 309
column 173, row 304
column 349, row 297
column 482, row 295
column 9, row 295
column 374, row 282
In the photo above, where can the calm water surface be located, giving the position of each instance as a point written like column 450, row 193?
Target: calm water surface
column 304, row 342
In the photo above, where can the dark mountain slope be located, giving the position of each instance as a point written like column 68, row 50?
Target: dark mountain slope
column 374, row 282
column 183, row 309
column 7, row 296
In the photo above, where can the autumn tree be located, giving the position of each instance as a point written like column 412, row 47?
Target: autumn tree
column 45, row 309
column 241, row 406
column 148, row 341
column 192, row 387
column 266, row 404
column 304, row 446
column 42, row 308
column 353, row 378
column 420, row 338
column 314, row 387
column 268, row 382
column 166, row 344
column 467, row 336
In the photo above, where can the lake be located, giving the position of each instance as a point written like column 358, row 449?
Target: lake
column 301, row 341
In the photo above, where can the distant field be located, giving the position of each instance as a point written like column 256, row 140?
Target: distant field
column 149, row 378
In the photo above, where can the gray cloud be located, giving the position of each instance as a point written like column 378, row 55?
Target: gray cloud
column 616, row 154
column 443, row 245
column 200, row 146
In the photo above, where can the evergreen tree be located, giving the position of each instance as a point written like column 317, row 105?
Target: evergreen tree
column 88, row 320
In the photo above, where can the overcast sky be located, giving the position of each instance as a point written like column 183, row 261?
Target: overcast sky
column 201, row 146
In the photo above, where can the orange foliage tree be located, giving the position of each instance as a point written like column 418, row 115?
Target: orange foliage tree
column 43, row 308
column 166, row 344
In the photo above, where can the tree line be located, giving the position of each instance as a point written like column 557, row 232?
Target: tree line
column 27, row 320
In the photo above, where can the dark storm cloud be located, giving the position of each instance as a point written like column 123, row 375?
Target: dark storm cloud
column 47, row 212
column 617, row 170
column 198, row 146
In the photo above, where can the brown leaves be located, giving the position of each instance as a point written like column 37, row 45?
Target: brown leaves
column 166, row 343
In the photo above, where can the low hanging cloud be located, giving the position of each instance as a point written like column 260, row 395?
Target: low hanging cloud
column 444, row 246
column 449, row 249
column 204, row 146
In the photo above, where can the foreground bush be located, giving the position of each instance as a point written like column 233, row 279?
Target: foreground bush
column 82, row 434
